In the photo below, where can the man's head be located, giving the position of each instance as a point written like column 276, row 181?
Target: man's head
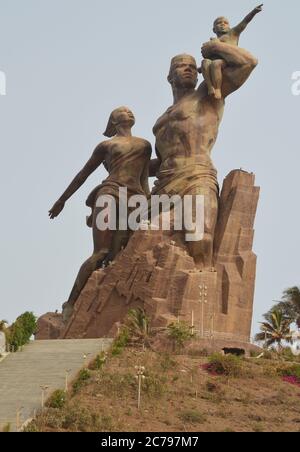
column 183, row 72
column 221, row 26
column 120, row 116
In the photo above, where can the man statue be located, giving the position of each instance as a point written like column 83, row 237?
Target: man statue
column 187, row 131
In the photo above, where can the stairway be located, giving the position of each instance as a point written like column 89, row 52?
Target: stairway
column 41, row 363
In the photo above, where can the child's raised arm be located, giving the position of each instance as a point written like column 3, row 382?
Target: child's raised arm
column 241, row 27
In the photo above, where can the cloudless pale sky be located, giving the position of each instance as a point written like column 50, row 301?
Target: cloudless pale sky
column 69, row 63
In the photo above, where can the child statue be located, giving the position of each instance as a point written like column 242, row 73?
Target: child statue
column 212, row 68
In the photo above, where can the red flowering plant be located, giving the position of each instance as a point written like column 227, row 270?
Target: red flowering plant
column 291, row 374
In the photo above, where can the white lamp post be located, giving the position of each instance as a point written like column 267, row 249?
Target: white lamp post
column 203, row 300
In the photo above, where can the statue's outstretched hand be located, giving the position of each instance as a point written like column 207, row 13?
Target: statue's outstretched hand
column 259, row 8
column 56, row 209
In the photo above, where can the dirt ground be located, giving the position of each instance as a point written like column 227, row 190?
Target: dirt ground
column 178, row 395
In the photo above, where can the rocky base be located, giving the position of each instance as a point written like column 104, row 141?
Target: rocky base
column 50, row 326
column 156, row 272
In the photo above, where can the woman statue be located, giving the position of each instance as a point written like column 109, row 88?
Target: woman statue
column 127, row 160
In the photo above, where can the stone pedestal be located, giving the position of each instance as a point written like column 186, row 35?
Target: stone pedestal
column 156, row 272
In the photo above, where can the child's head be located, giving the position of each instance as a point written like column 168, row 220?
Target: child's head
column 221, row 26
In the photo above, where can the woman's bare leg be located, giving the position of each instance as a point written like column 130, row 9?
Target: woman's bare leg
column 103, row 241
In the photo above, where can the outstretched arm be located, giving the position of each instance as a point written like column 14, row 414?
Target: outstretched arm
column 240, row 64
column 93, row 163
column 241, row 27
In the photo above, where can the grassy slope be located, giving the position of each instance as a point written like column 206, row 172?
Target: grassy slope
column 178, row 396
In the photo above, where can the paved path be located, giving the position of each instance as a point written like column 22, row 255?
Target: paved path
column 41, row 363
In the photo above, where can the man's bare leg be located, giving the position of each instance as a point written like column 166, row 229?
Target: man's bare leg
column 217, row 76
column 202, row 250
column 206, row 72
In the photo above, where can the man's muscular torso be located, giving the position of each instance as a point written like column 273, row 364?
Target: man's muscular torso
column 187, row 132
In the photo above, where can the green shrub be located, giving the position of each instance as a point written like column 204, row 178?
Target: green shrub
column 192, row 417
column 116, row 385
column 52, row 418
column 180, row 333
column 106, row 424
column 121, row 342
column 83, row 376
column 292, row 370
column 167, row 362
column 57, row 399
column 154, row 385
column 32, row 427
column 78, row 419
column 20, row 332
column 99, row 362
column 229, row 365
column 288, row 355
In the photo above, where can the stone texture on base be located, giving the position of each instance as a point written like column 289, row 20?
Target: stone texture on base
column 49, row 326
column 156, row 272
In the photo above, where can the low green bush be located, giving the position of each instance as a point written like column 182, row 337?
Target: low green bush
column 116, row 385
column 192, row 417
column 83, row 376
column 167, row 362
column 57, row 400
column 121, row 342
column 287, row 354
column 289, row 370
column 99, row 362
column 180, row 333
column 154, row 385
column 229, row 365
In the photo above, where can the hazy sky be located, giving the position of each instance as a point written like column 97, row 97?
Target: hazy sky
column 69, row 63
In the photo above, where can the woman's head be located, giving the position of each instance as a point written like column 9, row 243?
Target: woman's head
column 122, row 116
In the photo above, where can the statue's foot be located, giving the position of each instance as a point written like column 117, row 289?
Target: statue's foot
column 212, row 91
column 67, row 311
column 218, row 94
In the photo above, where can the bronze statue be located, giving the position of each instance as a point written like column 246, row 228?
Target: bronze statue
column 127, row 161
column 187, row 131
column 212, row 68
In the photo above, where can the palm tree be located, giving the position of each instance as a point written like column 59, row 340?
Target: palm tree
column 290, row 305
column 276, row 329
column 138, row 325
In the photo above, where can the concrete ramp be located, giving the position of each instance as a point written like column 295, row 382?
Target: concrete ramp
column 41, row 363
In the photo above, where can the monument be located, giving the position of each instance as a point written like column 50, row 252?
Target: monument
column 208, row 282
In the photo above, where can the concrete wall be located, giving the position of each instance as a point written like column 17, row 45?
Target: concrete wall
column 2, row 343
